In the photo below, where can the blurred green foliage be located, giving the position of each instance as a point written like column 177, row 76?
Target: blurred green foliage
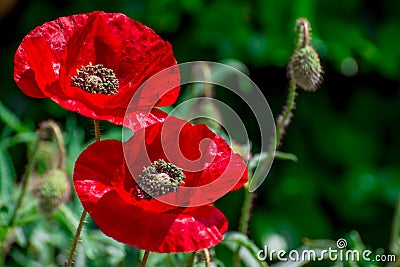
column 346, row 135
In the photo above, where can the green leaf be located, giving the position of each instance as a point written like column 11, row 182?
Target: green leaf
column 67, row 217
column 285, row 156
column 20, row 236
column 100, row 248
column 11, row 120
column 7, row 175
column 26, row 137
column 234, row 240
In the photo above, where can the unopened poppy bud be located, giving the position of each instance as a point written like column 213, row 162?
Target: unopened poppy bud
column 46, row 156
column 305, row 68
column 53, row 191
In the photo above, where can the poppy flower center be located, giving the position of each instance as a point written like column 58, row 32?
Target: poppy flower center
column 160, row 178
column 96, row 79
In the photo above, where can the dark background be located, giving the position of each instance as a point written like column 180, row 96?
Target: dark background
column 346, row 134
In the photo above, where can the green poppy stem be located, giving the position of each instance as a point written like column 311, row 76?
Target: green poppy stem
column 207, row 256
column 246, row 209
column 76, row 239
column 285, row 117
column 84, row 212
column 96, row 130
column 302, row 39
column 145, row 257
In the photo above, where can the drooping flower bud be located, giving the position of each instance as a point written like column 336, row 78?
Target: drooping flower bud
column 305, row 68
column 53, row 190
column 46, row 156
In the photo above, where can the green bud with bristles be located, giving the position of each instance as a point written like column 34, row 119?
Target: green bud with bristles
column 53, row 190
column 303, row 33
column 46, row 156
column 305, row 68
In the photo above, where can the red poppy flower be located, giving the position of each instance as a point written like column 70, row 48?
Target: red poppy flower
column 94, row 63
column 155, row 200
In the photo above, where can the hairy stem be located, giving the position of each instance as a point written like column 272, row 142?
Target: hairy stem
column 84, row 212
column 96, row 130
column 207, row 257
column 244, row 219
column 285, row 118
column 76, row 239
column 246, row 210
column 145, row 258
column 302, row 39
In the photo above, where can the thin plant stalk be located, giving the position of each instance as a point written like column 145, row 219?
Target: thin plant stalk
column 145, row 258
column 285, row 117
column 246, row 209
column 84, row 212
column 207, row 257
column 283, row 121
column 76, row 239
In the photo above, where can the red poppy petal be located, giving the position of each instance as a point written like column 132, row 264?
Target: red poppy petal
column 50, row 54
column 107, row 190
column 159, row 232
column 227, row 167
column 132, row 58
column 95, row 43
column 203, row 155
column 37, row 60
column 137, row 120
column 93, row 164
column 210, row 166
column 90, row 191
column 161, row 89
column 26, row 82
column 95, row 174
column 44, row 71
column 134, row 120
